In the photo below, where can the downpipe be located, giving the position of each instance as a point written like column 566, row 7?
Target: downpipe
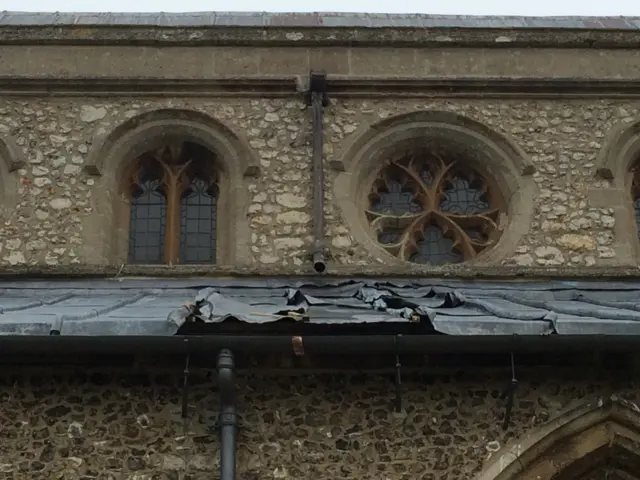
column 228, row 417
column 317, row 98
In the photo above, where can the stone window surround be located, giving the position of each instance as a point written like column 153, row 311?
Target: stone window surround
column 113, row 152
column 504, row 161
column 10, row 160
column 571, row 443
column 619, row 154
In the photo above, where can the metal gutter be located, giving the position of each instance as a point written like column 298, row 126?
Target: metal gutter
column 315, row 344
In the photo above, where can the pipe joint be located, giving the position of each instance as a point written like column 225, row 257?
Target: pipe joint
column 228, row 419
column 226, row 380
column 225, row 359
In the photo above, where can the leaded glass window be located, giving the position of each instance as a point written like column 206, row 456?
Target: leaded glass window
column 424, row 208
column 174, row 202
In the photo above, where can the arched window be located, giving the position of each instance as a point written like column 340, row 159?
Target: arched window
column 173, row 200
column 434, row 188
column 430, row 206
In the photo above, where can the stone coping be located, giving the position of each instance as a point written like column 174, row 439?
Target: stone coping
column 316, row 29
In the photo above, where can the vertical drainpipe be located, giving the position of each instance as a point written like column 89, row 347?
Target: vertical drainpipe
column 317, row 98
column 228, row 418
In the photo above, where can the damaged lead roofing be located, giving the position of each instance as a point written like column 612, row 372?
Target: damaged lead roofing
column 169, row 307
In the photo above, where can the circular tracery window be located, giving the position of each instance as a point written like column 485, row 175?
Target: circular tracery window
column 425, row 209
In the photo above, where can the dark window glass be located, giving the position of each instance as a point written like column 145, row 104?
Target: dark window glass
column 426, row 209
column 198, row 222
column 147, row 225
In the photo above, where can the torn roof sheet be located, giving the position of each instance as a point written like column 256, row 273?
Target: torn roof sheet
column 314, row 20
column 323, row 306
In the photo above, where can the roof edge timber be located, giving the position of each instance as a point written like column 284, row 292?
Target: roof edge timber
column 339, row 272
column 330, row 345
column 341, row 86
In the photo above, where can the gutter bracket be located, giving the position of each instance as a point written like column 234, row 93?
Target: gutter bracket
column 185, row 383
column 509, row 395
column 398, row 377
column 317, row 98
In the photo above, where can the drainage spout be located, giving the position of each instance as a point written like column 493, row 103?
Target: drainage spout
column 228, row 418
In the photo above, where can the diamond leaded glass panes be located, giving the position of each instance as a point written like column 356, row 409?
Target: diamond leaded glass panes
column 424, row 208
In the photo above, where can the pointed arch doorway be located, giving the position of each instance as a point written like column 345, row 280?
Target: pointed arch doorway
column 597, row 440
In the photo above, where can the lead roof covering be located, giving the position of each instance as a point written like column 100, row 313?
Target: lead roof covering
column 314, row 19
column 155, row 307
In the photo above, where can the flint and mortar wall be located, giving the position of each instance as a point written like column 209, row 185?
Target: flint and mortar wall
column 110, row 425
column 51, row 203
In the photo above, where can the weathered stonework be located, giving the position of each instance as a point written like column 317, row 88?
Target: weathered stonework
column 112, row 425
column 562, row 139
column 77, row 100
column 553, row 97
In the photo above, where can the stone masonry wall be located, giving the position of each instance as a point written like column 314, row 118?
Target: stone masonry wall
column 106, row 425
column 54, row 193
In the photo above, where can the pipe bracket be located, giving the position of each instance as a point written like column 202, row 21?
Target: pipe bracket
column 185, row 382
column 398, row 376
column 509, row 395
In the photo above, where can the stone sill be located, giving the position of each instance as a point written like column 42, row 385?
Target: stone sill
column 497, row 273
column 317, row 36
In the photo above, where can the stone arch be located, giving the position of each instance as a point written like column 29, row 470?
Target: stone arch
column 10, row 155
column 143, row 131
column 619, row 152
column 582, row 440
column 618, row 155
column 112, row 153
column 499, row 156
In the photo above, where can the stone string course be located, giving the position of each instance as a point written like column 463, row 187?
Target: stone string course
column 54, row 197
column 100, row 425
